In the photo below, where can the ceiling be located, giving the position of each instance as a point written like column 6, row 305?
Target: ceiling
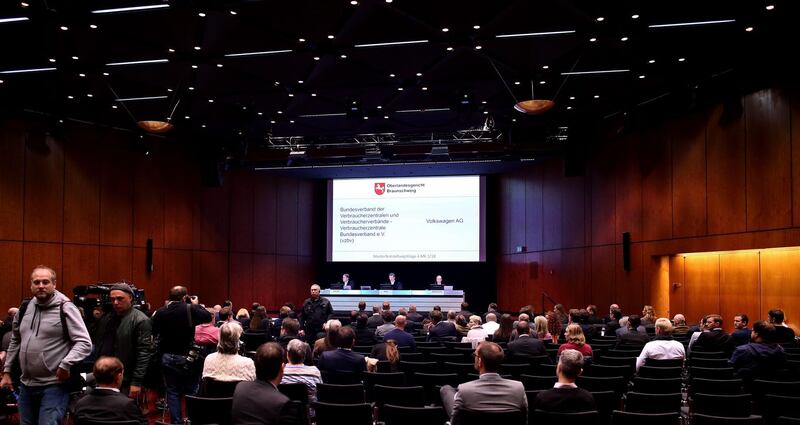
column 256, row 79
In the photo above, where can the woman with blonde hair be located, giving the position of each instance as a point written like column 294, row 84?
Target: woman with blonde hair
column 576, row 341
column 648, row 316
column 226, row 364
column 540, row 328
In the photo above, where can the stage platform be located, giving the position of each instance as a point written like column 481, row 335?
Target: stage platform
column 425, row 300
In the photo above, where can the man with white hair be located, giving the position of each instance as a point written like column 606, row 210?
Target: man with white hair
column 296, row 372
column 663, row 347
column 476, row 332
column 491, row 326
column 679, row 325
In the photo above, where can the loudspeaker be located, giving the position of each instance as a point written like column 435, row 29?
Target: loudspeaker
column 149, row 256
column 626, row 251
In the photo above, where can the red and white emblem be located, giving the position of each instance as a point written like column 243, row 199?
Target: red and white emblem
column 380, row 188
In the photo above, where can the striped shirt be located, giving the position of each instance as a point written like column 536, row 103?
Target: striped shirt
column 302, row 374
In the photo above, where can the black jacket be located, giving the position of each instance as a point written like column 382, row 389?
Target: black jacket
column 441, row 330
column 714, row 340
column 107, row 406
column 133, row 344
column 260, row 403
column 315, row 313
column 565, row 400
column 526, row 345
column 172, row 328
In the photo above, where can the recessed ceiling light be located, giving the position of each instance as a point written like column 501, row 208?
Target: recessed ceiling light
column 600, row 19
column 634, row 16
column 219, row 65
column 291, row 94
column 89, row 95
column 70, row 97
column 478, row 47
column 749, row 29
column 299, row 81
column 210, row 100
column 379, row 107
column 291, row 121
column 388, row 1
column 191, row 88
column 424, row 88
column 302, row 40
column 203, row 125
column 391, row 75
column 386, row 117
column 313, row 95
column 572, row 98
column 516, row 83
column 330, row 36
column 233, row 12
column 169, row 90
column 399, row 89
column 1, row 81
column 354, row 3
column 93, row 26
column 419, row 74
column 597, row 96
column 593, row 39
column 624, row 39
column 280, row 112
column 770, row 7
column 24, row 4
column 113, row 106
column 82, row 75
column 197, row 47
column 106, row 74
column 343, row 56
column 366, row 117
column 316, row 58
column 194, row 66
column 681, row 59
column 171, row 50
column 476, row 27
column 543, row 82
column 483, row 102
column 74, row 58
column 186, row 117
column 641, row 77
column 545, row 67
column 272, row 121
column 201, row 14
column 569, row 107
column 445, row 29
column 64, row 28
column 449, row 49
column 260, row 114
column 244, row 108
column 52, row 59
column 277, row 83
column 485, row 112
column 651, row 61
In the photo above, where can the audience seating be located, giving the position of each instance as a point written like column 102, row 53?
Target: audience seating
column 618, row 384
column 412, row 357
column 441, row 358
column 609, row 370
column 412, row 367
column 710, row 363
column 545, row 369
column 772, row 407
column 544, row 417
column 618, row 361
column 516, row 370
column 400, row 396
column 461, row 369
column 473, row 417
column 606, row 402
column 253, row 340
column 454, row 344
column 727, row 405
column 657, row 386
column 296, row 392
column 403, row 415
column 204, row 410
column 333, row 413
column 87, row 422
column 699, row 419
column 362, row 349
column 711, row 373
column 653, row 403
column 535, row 382
column 699, row 354
column 623, row 353
column 630, row 418
column 716, row 386
column 212, row 388
column 335, row 393
column 428, row 350
column 664, row 362
column 659, row 372
column 431, row 380
column 341, row 378
column 762, row 387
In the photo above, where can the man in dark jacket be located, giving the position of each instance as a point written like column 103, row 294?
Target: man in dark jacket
column 259, row 402
column 440, row 329
column 343, row 359
column 565, row 396
column 714, row 338
column 525, row 344
column 741, row 334
column 760, row 358
column 633, row 338
column 783, row 333
column 106, row 403
column 316, row 311
column 174, row 325
column 125, row 333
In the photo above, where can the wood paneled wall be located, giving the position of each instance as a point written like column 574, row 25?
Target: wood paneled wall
column 86, row 204
column 724, row 178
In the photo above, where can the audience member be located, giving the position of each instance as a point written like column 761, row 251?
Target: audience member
column 610, row 316
column 412, row 315
column 343, row 359
column 296, row 372
column 761, row 358
column 525, row 344
column 328, row 343
column 476, row 332
column 376, row 319
column 663, row 347
column 105, row 403
column 540, row 329
column 783, row 333
column 623, row 327
column 243, row 316
column 364, row 335
column 576, row 341
column 440, row 330
column 387, row 351
column 614, row 324
column 462, row 326
column 226, row 364
column 635, row 337
column 565, row 396
column 503, row 332
column 553, row 325
column 388, row 319
column 713, row 338
column 206, row 334
column 259, row 402
column 316, row 311
column 490, row 392
column 593, row 318
column 741, row 334
column 290, row 329
column 465, row 309
column 648, row 316
column 491, row 326
column 259, row 322
column 561, row 314
column 399, row 334
column 679, row 325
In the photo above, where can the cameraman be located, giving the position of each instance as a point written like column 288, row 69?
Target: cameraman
column 173, row 326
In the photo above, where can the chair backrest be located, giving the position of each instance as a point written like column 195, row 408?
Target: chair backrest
column 334, row 393
column 515, row 370
column 774, row 406
column 394, row 379
column 535, row 382
column 341, row 378
column 205, row 410
column 602, row 383
column 297, row 392
column 583, row 418
column 657, row 385
column 411, row 367
column 606, row 402
column 473, row 417
column 623, row 353
column 403, row 415
column 631, row 418
column 711, row 373
column 412, row 357
column 400, row 396
column 712, row 363
column 210, row 387
column 609, row 370
column 785, row 420
column 664, row 362
column 90, row 422
column 716, row 386
column 334, row 413
column 440, row 357
column 727, row 405
column 653, row 403
column 660, row 372
column 699, row 354
column 763, row 387
column 700, row 419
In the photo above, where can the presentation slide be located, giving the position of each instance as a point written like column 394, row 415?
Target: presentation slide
column 408, row 219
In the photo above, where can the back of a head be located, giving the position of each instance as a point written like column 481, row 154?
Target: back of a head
column 575, row 334
column 663, row 326
column 475, row 320
column 716, row 318
column 765, row 330
column 387, row 316
column 776, row 316
column 592, row 309
column 345, row 337
column 225, row 313
column 290, row 326
column 523, row 328
column 242, row 314
column 436, row 316
column 392, row 353
column 362, row 320
column 679, row 319
column 400, row 321
column 616, row 314
column 634, row 321
column 229, row 335
column 623, row 322
column 362, row 306
column 491, row 356
column 491, row 317
column 106, row 370
column 570, row 364
column 464, row 306
column 354, row 316
column 376, row 309
column 402, row 311
column 451, row 315
column 386, row 306
column 540, row 324
column 296, row 351
column 268, row 361
column 412, row 308
column 177, row 293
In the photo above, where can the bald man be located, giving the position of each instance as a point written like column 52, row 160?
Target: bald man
column 106, row 403
column 399, row 334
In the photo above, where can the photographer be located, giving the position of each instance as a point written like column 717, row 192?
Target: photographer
column 174, row 327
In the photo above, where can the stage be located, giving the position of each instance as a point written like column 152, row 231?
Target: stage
column 425, row 300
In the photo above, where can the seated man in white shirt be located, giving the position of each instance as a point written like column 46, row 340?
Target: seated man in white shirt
column 663, row 347
column 491, row 324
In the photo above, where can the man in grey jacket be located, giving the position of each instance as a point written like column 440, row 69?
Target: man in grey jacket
column 45, row 350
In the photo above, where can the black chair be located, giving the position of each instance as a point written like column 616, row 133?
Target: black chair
column 659, row 372
column 606, row 402
column 204, row 410
column 711, row 363
column 630, row 418
column 653, row 403
column 473, row 417
column 89, row 422
column 657, row 386
column 335, row 414
column 456, row 344
column 545, row 369
column 544, row 417
column 618, row 384
column 763, row 387
column 785, row 420
column 664, row 362
column 727, row 405
column 441, row 358
column 340, row 394
column 210, row 387
column 623, row 353
column 412, row 357
column 700, row 419
column 403, row 415
column 362, row 349
column 531, row 395
column 428, row 350
column 618, row 361
column 253, row 340
column 772, row 407
column 609, row 370
column 297, row 392
column 461, row 369
column 425, row 367
column 516, row 370
column 392, row 379
column 699, row 354
column 711, row 373
column 432, row 380
column 716, row 386
column 535, row 382
column 400, row 396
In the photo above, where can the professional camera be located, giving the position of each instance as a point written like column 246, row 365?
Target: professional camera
column 98, row 295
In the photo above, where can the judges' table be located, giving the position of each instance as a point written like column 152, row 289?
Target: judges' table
column 425, row 300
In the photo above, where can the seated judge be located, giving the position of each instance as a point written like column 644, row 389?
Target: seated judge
column 396, row 284
column 105, row 403
column 439, row 281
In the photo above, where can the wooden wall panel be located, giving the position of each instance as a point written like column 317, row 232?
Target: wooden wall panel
column 242, row 209
column 529, row 292
column 516, row 203
column 573, row 217
column 573, row 273
column 41, row 253
column 725, row 155
column 266, row 279
column 44, row 193
column 12, row 181
column 151, row 282
column 739, row 286
column 628, row 284
column 179, row 196
column 677, row 295
column 533, row 208
column 211, row 224
column 768, row 161
column 148, row 202
column 795, row 125
column 116, row 198
column 178, row 270
column 266, row 214
column 13, row 281
column 241, row 279
column 305, row 220
column 656, row 186
column 116, row 263
column 780, row 272
column 81, row 267
column 601, row 285
column 286, row 278
column 602, row 190
column 628, row 191
column 210, row 276
column 689, row 177
column 287, row 216
column 552, row 176
column 701, row 283
column 82, row 190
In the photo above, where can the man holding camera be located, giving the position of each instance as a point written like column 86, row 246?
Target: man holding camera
column 173, row 326
column 125, row 333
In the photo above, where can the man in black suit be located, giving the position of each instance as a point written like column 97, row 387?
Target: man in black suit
column 714, row 338
column 525, row 344
column 565, row 395
column 259, row 402
column 741, row 334
column 465, row 309
column 440, row 329
column 396, row 284
column 343, row 359
column 376, row 319
column 613, row 324
column 783, row 333
column 105, row 403
column 412, row 315
column 633, row 338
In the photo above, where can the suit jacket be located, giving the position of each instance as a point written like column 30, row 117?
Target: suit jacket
column 260, row 403
column 565, row 399
column 106, row 406
column 714, row 340
column 441, row 330
column 341, row 360
column 632, row 339
column 490, row 392
column 741, row 336
column 401, row 337
column 414, row 316
column 374, row 321
column 525, row 345
column 398, row 286
column 365, row 336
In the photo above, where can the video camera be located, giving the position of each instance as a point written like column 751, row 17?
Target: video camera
column 91, row 296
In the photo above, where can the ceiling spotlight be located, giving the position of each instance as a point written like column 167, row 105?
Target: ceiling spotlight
column 635, row 16
column 545, row 67
column 272, row 121
column 516, row 83
column 244, row 108
column 24, row 4
column 260, row 114
column 569, row 107
column 449, row 49
column 1, row 81
column 600, row 19
column 291, row 121
column 233, row 12
column 366, row 117
column 478, row 47
column 681, row 59
column 171, row 50
column 64, row 28
column 74, row 58
column 106, row 74
column 388, row 1
column 354, row 3
column 203, row 125
column 277, row 83
column 93, row 26
column 749, row 29
column 419, row 74
column 330, row 36
column 316, row 58
column 485, row 112
column 299, row 81
column 386, row 117
column 82, row 75
column 445, row 29
column 291, row 94
column 280, row 112
column 89, row 95
column 113, row 106
column 391, row 75
column 197, row 47
column 399, row 89
column 313, row 95
column 641, row 77
column 191, row 88
column 52, row 59
column 169, row 90
column 302, row 40
column 476, row 27
column 424, row 89
column 593, row 39
column 210, row 100
column 219, row 65
column 343, row 56
column 201, row 14
column 770, row 7
column 624, row 39
column 572, row 98
column 597, row 96
column 379, row 107
column 194, row 66
column 543, row 82
column 483, row 102
column 70, row 97
column 651, row 61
